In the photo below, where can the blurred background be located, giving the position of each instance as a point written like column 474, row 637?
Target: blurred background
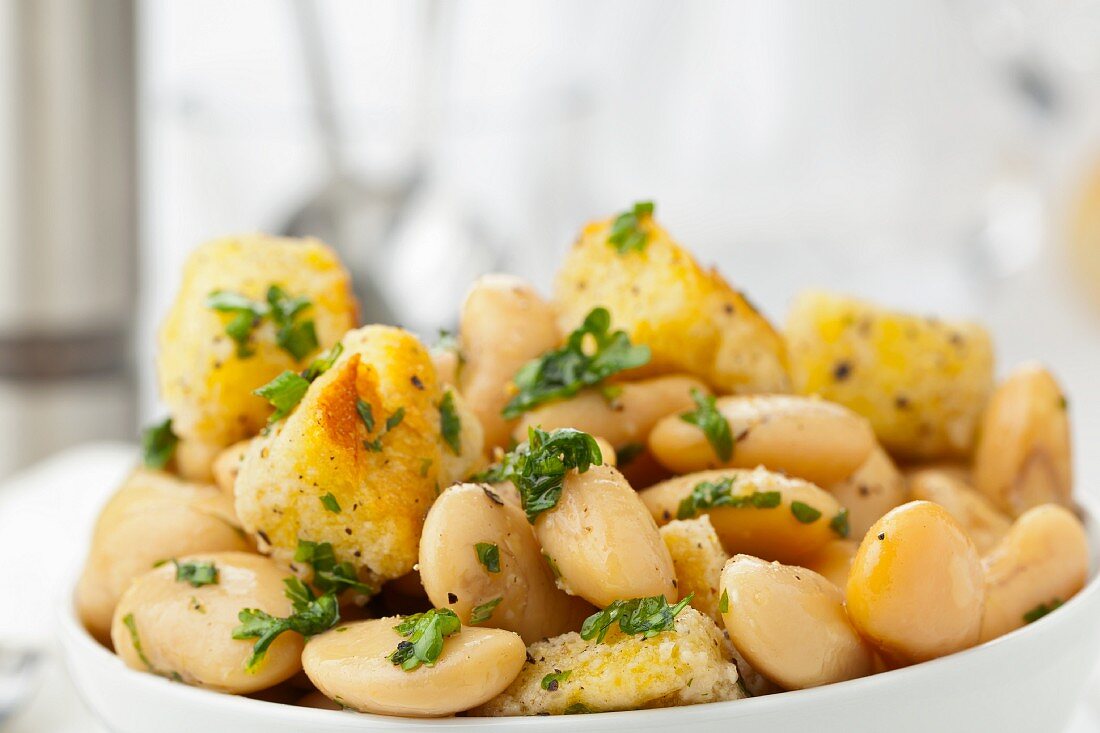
column 941, row 155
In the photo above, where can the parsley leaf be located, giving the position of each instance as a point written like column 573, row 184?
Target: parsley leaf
column 577, row 708
column 488, row 554
column 366, row 414
column 805, row 513
column 329, row 575
column 329, row 502
column 711, row 495
column 424, row 634
column 627, row 453
column 626, row 234
column 1041, row 610
column 285, row 391
column 724, row 602
column 450, row 424
column 646, row 616
column 482, row 613
column 247, row 315
column 564, row 372
column 707, row 418
column 158, row 444
column 311, row 616
column 197, row 574
column 839, row 523
column 297, row 338
column 538, row 467
column 552, row 681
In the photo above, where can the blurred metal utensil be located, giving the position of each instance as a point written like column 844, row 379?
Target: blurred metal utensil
column 353, row 214
column 18, row 678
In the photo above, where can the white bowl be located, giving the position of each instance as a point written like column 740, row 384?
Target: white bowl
column 1027, row 681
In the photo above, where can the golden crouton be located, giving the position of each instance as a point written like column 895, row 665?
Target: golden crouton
column 691, row 319
column 205, row 378
column 921, row 382
column 367, row 432
column 698, row 557
column 681, row 667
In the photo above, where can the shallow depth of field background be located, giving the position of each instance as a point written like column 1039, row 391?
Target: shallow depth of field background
column 937, row 155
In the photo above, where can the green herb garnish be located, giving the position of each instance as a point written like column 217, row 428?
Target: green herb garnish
column 488, row 554
column 135, row 639
column 564, row 372
column 626, row 233
column 311, row 616
column 628, row 453
column 1041, row 610
column 552, row 681
column 538, row 467
column 715, row 427
column 297, row 338
column 450, row 424
column 839, row 523
column 158, row 444
column 482, row 613
column 329, row 575
column 577, row 708
column 328, row 501
column 804, row 513
column 646, row 616
column 712, row 495
column 285, row 391
column 197, row 574
column 424, row 634
column 724, row 602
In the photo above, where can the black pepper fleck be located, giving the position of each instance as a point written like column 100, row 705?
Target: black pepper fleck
column 452, row 598
column 882, row 535
column 842, row 371
column 416, row 382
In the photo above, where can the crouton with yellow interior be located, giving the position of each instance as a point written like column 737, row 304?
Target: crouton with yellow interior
column 698, row 557
column 922, row 382
column 223, row 337
column 567, row 674
column 357, row 462
column 691, row 319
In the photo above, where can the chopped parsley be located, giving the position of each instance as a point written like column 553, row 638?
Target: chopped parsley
column 564, row 372
column 484, row 612
column 296, row 337
column 135, row 639
column 839, row 523
column 488, row 554
column 578, row 708
column 367, row 416
column 328, row 501
column 804, row 513
column 724, row 602
column 552, row 564
column 311, row 615
column 424, row 634
column 365, row 413
column 646, row 616
column 628, row 453
column 329, row 575
column 715, row 494
column 552, row 681
column 197, row 574
column 158, row 444
column 1041, row 610
column 285, row 391
column 450, row 424
column 715, row 427
column 538, row 467
column 626, row 233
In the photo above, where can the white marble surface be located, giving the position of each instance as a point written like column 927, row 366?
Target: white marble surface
column 57, row 499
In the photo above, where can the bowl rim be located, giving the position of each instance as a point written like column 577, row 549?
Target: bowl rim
column 75, row 639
